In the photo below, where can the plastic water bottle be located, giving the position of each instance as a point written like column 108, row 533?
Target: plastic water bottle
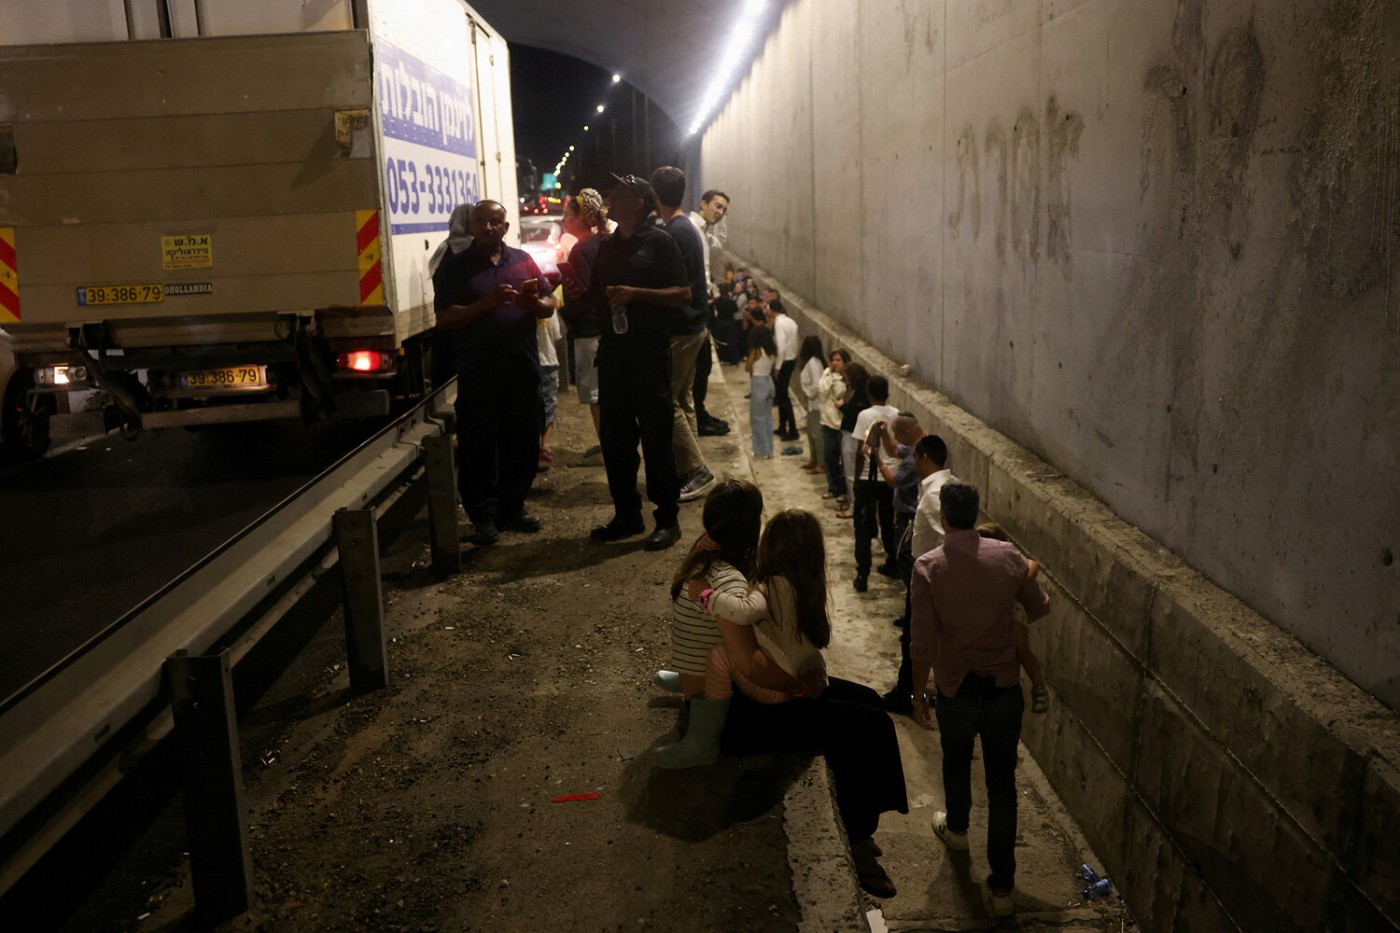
column 619, row 320
column 1088, row 874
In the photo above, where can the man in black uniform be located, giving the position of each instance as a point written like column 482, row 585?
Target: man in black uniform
column 488, row 297
column 640, row 278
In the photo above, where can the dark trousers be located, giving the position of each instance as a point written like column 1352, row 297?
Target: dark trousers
column 983, row 709
column 904, row 682
column 500, row 417
column 787, row 421
column 635, row 404
column 847, row 724
column 874, row 508
column 831, row 449
column 703, row 364
column 732, row 340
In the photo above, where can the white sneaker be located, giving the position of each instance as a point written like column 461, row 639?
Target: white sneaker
column 1001, row 904
column 955, row 841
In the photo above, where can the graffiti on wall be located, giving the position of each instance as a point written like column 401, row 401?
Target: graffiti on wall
column 1015, row 183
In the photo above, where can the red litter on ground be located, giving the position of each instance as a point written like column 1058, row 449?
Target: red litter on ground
column 570, row 798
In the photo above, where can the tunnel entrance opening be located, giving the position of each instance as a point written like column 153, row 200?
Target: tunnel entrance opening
column 575, row 126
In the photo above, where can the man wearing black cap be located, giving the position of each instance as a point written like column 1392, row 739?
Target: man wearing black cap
column 638, row 279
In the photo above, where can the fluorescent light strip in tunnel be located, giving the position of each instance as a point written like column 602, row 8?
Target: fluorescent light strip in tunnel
column 737, row 52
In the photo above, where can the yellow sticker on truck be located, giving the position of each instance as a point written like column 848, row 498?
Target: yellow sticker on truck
column 121, row 294
column 188, row 251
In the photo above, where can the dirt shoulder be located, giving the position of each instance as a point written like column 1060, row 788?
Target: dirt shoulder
column 430, row 805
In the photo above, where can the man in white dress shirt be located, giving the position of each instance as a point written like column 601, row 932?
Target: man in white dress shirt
column 925, row 533
column 874, row 498
column 714, row 205
column 784, row 364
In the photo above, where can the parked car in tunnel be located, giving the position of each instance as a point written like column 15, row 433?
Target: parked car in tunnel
column 542, row 238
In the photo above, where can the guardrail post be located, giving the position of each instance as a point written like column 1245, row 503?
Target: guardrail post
column 442, row 504
column 201, row 692
column 357, row 536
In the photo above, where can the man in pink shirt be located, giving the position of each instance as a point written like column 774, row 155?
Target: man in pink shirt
column 961, row 626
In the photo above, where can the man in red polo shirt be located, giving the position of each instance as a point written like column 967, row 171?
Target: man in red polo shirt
column 962, row 627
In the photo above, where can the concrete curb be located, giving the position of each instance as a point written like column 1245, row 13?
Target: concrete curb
column 1231, row 778
column 819, row 856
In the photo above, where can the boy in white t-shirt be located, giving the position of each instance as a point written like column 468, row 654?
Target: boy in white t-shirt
column 874, row 498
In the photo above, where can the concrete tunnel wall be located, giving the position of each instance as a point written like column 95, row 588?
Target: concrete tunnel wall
column 1143, row 253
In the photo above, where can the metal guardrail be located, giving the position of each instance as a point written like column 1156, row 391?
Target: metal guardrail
column 68, row 736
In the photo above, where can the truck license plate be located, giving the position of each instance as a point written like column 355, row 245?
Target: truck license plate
column 121, row 294
column 231, row 378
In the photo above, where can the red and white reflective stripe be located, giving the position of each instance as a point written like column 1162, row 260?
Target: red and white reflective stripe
column 9, row 276
column 371, row 258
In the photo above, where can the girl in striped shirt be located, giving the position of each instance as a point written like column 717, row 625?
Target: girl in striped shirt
column 785, row 609
column 733, row 517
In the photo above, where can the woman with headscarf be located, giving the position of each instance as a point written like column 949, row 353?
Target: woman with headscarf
column 444, row 360
column 457, row 240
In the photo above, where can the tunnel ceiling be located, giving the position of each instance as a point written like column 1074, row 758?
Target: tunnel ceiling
column 669, row 49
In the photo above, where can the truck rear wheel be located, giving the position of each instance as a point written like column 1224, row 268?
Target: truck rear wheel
column 24, row 424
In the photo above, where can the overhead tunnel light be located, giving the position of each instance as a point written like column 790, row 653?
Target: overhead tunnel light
column 601, row 108
column 617, row 78
column 738, row 51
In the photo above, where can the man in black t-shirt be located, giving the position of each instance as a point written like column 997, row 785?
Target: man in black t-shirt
column 638, row 281
column 488, row 298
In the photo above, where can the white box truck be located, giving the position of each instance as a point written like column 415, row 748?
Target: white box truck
column 223, row 210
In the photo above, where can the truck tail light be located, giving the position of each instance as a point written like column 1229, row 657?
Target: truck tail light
column 364, row 361
column 60, row 375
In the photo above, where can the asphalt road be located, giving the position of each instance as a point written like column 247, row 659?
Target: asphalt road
column 90, row 532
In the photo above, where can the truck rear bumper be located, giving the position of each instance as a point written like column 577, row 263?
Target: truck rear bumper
column 367, row 404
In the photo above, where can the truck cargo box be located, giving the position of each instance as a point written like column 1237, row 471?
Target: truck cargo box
column 234, row 227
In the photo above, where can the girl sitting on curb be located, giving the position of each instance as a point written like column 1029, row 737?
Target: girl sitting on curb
column 845, row 722
column 733, row 517
column 785, row 607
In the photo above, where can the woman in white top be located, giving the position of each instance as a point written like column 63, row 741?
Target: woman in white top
column 810, row 359
column 763, row 349
column 786, row 605
column 832, row 392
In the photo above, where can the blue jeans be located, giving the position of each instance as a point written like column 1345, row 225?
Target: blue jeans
column 831, row 451
column 849, row 448
column 983, row 709
column 761, row 415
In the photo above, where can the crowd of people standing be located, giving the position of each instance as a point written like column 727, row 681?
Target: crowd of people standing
column 750, row 602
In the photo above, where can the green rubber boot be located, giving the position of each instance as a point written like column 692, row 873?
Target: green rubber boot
column 701, row 743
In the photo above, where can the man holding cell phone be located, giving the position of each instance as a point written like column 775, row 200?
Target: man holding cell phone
column 488, row 298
